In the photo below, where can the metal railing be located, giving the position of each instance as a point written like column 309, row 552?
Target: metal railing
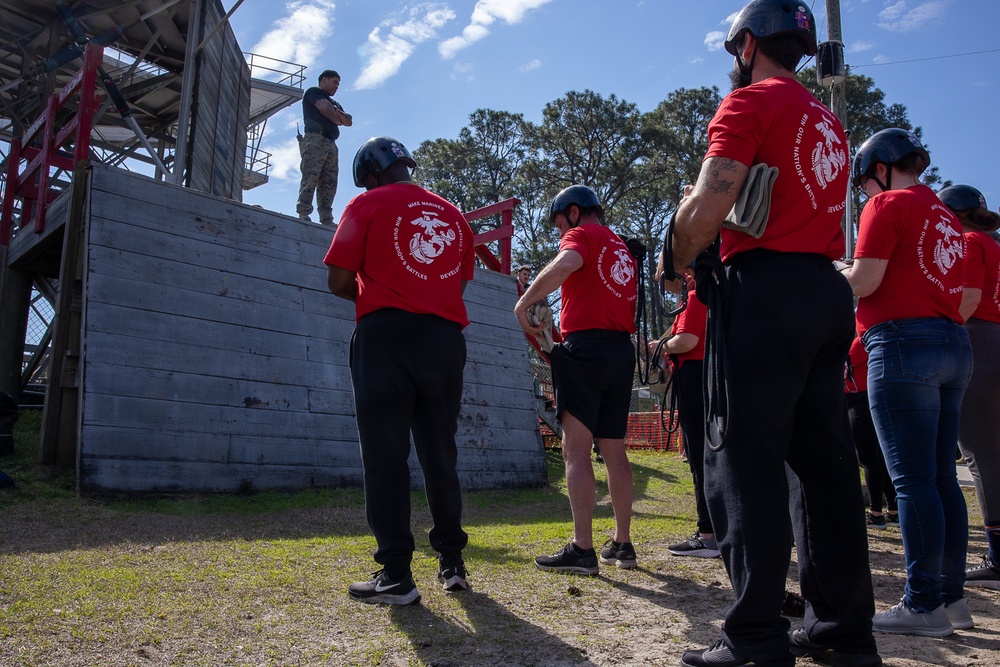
column 503, row 235
column 277, row 71
column 42, row 147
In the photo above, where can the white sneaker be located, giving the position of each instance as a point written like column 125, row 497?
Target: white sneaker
column 959, row 614
column 901, row 620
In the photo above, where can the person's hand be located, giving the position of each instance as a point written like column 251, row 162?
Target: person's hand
column 521, row 313
column 689, row 280
column 674, row 286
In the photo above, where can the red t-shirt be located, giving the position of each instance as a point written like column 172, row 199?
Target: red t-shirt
column 857, row 360
column 692, row 320
column 410, row 248
column 602, row 293
column 982, row 271
column 778, row 122
column 924, row 244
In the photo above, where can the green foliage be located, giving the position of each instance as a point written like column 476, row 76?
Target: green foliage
column 636, row 162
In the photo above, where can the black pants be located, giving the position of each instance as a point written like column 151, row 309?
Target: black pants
column 691, row 411
column 407, row 375
column 870, row 453
column 787, row 464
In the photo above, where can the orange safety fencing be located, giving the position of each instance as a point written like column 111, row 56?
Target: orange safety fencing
column 644, row 432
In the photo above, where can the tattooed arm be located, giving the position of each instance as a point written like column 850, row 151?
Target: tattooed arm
column 701, row 213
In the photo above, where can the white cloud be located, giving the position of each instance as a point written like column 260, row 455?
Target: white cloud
column 301, row 36
column 284, row 160
column 463, row 72
column 485, row 14
column 392, row 42
column 528, row 67
column 859, row 47
column 904, row 16
column 881, row 59
column 715, row 40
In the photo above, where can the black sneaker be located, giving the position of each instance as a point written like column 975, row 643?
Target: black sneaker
column 695, row 546
column 801, row 647
column 619, row 554
column 570, row 559
column 984, row 575
column 385, row 590
column 452, row 575
column 716, row 655
column 892, row 517
column 875, row 521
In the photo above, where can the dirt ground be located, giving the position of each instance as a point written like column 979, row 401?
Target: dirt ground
column 680, row 601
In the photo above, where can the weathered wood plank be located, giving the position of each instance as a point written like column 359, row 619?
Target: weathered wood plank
column 169, row 477
column 217, row 360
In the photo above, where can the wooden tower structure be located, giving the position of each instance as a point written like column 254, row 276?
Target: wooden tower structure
column 194, row 345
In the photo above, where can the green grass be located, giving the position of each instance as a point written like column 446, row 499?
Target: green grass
column 261, row 578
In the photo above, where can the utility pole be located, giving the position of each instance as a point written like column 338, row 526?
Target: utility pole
column 838, row 90
column 838, row 95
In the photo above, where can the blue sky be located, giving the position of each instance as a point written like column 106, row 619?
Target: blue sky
column 416, row 70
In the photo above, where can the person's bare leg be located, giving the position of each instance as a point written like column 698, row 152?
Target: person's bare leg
column 577, row 443
column 619, row 484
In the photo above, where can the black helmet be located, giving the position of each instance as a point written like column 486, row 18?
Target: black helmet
column 889, row 147
column 962, row 198
column 375, row 156
column 769, row 18
column 579, row 195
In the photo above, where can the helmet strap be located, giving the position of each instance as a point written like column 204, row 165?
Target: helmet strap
column 885, row 186
column 746, row 70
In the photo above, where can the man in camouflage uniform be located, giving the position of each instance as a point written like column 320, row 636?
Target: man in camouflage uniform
column 322, row 117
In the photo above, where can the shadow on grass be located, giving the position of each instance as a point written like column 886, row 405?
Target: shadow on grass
column 493, row 636
column 45, row 515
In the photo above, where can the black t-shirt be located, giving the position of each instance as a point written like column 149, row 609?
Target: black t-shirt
column 313, row 119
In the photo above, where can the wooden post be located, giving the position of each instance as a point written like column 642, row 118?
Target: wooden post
column 58, row 440
column 15, row 295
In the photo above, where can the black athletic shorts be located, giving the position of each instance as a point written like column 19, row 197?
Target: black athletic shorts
column 592, row 375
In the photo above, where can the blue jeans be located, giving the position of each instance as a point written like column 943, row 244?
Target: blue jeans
column 917, row 373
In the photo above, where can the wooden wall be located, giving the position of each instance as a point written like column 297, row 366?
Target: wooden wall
column 220, row 111
column 215, row 359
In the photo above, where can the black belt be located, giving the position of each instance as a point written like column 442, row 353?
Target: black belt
column 599, row 333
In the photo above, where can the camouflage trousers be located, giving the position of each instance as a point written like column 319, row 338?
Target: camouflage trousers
column 320, row 168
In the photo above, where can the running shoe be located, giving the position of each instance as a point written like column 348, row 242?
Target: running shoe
column 901, row 620
column 619, row 554
column 695, row 546
column 385, row 590
column 984, row 575
column 570, row 559
column 452, row 575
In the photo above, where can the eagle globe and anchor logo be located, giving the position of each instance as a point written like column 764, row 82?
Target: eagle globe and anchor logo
column 428, row 244
column 421, row 247
column 621, row 272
